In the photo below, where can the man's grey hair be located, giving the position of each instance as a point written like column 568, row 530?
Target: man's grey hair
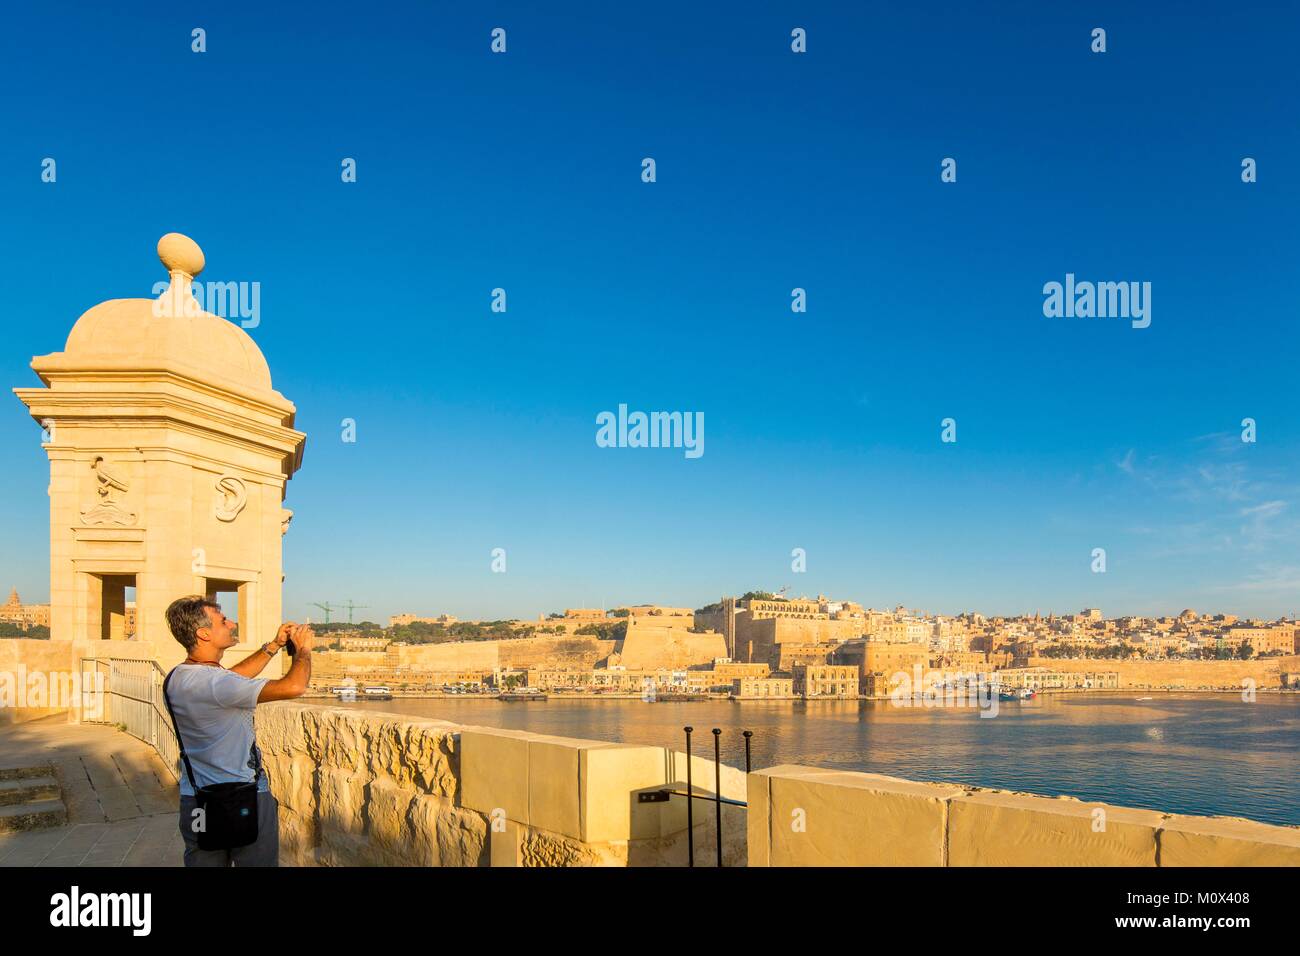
column 186, row 615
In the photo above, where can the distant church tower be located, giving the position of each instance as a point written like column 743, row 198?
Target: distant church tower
column 169, row 453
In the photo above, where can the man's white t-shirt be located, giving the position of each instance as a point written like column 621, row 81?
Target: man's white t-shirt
column 214, row 718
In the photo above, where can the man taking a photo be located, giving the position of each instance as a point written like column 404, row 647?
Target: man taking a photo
column 213, row 710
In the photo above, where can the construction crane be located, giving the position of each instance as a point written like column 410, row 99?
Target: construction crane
column 350, row 606
column 327, row 608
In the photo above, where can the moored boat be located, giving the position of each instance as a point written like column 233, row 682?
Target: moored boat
column 523, row 693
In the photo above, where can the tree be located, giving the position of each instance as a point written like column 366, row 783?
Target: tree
column 611, row 631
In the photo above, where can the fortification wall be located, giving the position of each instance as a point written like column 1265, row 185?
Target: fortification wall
column 565, row 652
column 341, row 663
column 576, row 652
column 452, row 656
column 651, row 645
column 1184, row 675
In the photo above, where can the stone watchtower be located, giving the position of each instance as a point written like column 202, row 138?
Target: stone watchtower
column 169, row 453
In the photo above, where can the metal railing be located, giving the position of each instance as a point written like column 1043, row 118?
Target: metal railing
column 133, row 699
column 716, row 798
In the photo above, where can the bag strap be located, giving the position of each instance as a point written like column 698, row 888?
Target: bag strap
column 175, row 726
column 257, row 756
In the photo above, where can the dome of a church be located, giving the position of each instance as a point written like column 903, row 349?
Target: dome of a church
column 171, row 332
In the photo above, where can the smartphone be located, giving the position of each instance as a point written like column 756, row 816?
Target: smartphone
column 289, row 647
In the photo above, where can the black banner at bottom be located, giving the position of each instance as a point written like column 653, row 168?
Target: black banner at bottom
column 367, row 907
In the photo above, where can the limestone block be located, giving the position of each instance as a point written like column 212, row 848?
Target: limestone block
column 418, row 757
column 341, row 796
column 758, row 820
column 841, row 818
column 494, row 772
column 993, row 828
column 553, row 785
column 1227, row 841
column 462, row 836
column 540, row 848
column 704, row 781
column 281, row 728
column 386, row 819
column 610, row 777
column 285, row 787
column 674, row 849
column 432, row 755
column 296, row 843
column 506, row 845
column 423, row 814
column 339, row 740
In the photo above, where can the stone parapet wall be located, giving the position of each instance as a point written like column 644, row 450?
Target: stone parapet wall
column 805, row 816
column 20, row 658
column 362, row 788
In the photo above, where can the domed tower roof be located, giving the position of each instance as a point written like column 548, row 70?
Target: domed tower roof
column 171, row 333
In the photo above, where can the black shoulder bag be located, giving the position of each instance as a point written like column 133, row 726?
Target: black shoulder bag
column 229, row 809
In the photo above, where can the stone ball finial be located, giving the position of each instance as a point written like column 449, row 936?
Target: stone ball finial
column 181, row 254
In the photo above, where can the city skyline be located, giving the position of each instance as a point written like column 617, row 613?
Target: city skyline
column 477, row 430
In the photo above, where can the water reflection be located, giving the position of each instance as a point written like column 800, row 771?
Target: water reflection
column 1187, row 753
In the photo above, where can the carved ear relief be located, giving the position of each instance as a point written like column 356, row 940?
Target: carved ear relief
column 232, row 496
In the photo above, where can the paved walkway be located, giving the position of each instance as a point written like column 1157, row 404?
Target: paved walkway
column 121, row 801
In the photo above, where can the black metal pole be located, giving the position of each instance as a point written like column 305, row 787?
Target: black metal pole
column 717, row 787
column 690, row 811
column 747, row 735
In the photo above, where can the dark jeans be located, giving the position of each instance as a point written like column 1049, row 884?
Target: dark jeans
column 264, row 852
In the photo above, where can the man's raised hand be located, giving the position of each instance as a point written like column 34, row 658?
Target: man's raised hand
column 303, row 636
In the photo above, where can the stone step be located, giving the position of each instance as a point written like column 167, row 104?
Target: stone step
column 25, row 771
column 36, row 815
column 28, row 789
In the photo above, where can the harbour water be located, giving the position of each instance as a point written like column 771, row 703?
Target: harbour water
column 1183, row 753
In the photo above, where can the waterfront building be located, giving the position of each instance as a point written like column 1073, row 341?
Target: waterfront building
column 360, row 642
column 763, row 688
column 826, row 680
column 1263, row 640
column 401, row 620
column 25, row 616
column 1043, row 678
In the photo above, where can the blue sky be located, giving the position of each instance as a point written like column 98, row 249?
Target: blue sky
column 475, row 430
